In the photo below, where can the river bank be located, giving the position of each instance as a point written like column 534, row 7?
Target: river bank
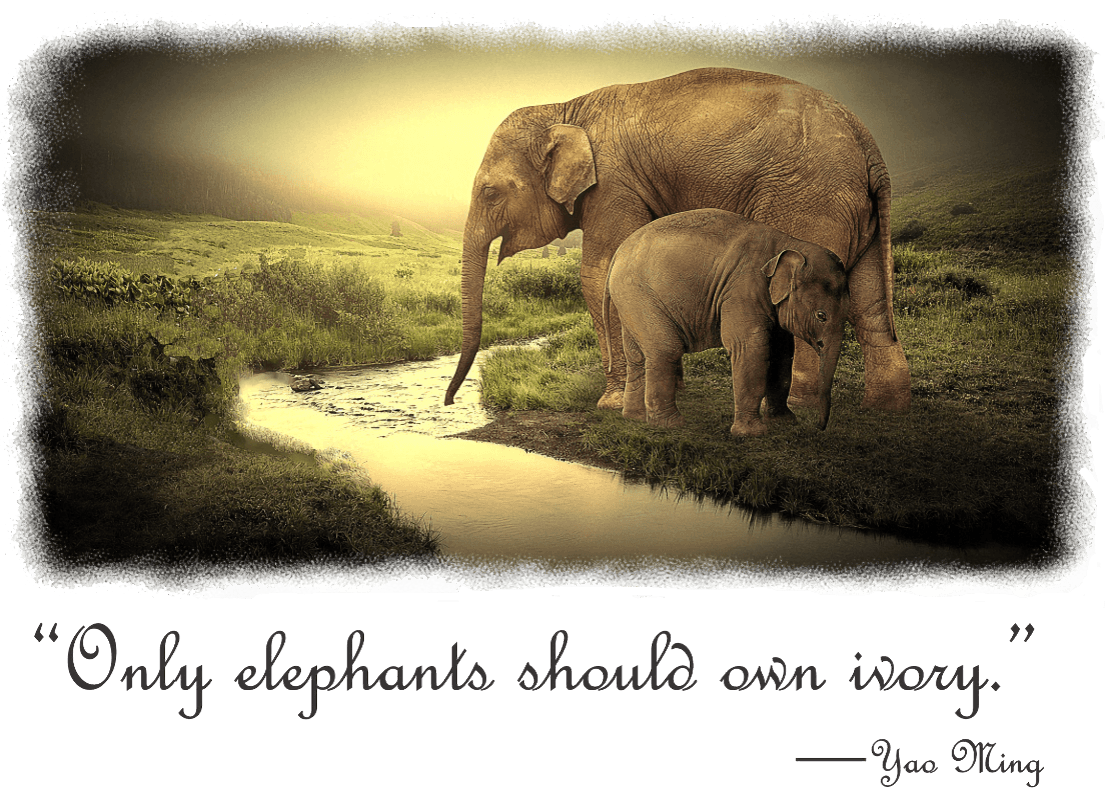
column 544, row 496
column 556, row 434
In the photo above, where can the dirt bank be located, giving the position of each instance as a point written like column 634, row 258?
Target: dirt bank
column 557, row 434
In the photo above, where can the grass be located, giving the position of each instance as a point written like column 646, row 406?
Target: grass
column 982, row 310
column 1017, row 209
column 139, row 459
column 141, row 456
column 141, row 382
column 564, row 375
column 285, row 295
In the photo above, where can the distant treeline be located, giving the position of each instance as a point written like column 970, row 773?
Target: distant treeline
column 205, row 184
column 170, row 182
column 195, row 184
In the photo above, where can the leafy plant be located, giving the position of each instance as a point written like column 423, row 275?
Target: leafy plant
column 107, row 283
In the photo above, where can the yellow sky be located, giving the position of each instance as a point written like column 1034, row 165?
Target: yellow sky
column 410, row 125
column 408, row 120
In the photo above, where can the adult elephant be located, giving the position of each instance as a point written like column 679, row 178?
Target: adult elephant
column 760, row 145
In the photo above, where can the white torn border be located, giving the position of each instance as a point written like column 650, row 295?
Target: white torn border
column 30, row 109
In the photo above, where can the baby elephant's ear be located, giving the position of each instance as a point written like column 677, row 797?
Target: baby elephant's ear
column 783, row 270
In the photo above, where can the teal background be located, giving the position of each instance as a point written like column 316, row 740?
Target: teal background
column 507, row 743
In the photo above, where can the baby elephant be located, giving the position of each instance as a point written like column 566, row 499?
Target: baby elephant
column 707, row 278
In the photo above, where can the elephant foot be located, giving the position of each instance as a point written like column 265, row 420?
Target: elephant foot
column 638, row 414
column 800, row 398
column 893, row 404
column 666, row 421
column 748, row 427
column 612, row 399
column 885, row 380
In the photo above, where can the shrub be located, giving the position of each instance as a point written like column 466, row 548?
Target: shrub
column 106, row 282
column 555, row 278
column 284, row 298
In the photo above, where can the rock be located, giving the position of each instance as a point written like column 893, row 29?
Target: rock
column 963, row 208
column 305, row 383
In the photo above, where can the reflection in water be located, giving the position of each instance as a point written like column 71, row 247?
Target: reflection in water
column 491, row 500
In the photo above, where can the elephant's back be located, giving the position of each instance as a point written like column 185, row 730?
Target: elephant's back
column 720, row 91
column 767, row 147
column 688, row 242
column 700, row 224
column 675, row 230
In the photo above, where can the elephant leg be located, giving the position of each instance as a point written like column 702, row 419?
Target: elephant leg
column 660, row 379
column 779, row 371
column 749, row 346
column 633, row 405
column 601, row 240
column 885, row 370
column 613, row 359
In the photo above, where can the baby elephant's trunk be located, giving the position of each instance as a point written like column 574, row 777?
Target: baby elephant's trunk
column 829, row 356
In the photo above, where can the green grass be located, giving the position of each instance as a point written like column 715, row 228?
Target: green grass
column 1016, row 209
column 564, row 375
column 330, row 290
column 983, row 324
column 141, row 454
column 139, row 461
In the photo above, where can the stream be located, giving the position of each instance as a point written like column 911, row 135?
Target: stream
column 492, row 500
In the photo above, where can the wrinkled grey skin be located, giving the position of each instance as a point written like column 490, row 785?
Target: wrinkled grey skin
column 710, row 278
column 611, row 161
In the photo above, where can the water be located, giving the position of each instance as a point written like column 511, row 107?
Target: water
column 492, row 500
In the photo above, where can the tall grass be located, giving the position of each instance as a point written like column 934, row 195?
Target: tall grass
column 563, row 375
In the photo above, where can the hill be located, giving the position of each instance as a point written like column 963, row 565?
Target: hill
column 175, row 244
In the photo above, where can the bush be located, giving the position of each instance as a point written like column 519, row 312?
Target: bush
column 108, row 283
column 284, row 295
column 541, row 279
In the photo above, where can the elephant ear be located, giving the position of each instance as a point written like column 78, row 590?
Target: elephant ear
column 783, row 271
column 568, row 163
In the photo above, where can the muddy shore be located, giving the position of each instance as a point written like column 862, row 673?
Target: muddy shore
column 557, row 434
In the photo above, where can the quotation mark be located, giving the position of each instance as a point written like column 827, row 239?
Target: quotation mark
column 53, row 633
column 1017, row 629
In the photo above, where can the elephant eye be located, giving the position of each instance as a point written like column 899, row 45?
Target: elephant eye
column 490, row 194
column 821, row 316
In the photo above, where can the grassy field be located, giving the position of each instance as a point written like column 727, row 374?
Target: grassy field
column 146, row 321
column 981, row 303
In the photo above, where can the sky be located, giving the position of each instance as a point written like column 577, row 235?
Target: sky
column 404, row 119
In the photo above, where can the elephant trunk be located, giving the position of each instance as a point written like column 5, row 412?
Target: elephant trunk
column 477, row 242
column 829, row 355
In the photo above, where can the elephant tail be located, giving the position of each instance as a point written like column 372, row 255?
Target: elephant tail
column 878, row 183
column 606, row 316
